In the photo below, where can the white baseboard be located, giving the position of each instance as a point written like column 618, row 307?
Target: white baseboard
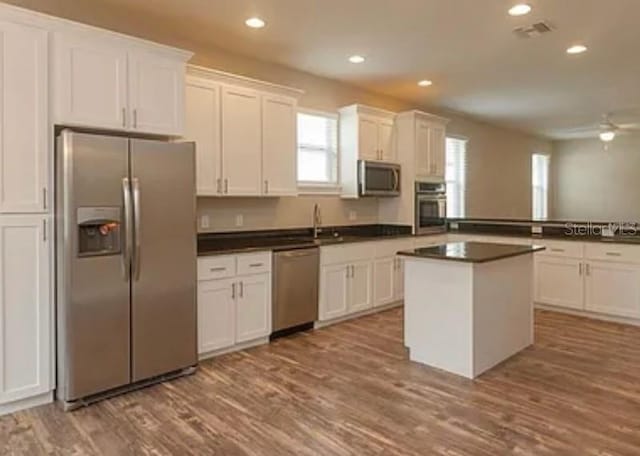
column 589, row 314
column 234, row 348
column 29, row 402
column 322, row 324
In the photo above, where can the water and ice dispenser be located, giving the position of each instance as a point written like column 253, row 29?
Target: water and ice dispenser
column 99, row 231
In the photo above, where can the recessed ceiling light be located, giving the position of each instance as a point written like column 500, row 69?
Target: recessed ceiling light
column 424, row 83
column 520, row 9
column 576, row 49
column 254, row 22
column 356, row 59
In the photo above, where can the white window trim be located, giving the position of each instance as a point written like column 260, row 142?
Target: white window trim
column 316, row 188
column 547, row 189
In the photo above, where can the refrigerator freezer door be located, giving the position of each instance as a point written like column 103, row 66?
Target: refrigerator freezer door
column 163, row 306
column 93, row 290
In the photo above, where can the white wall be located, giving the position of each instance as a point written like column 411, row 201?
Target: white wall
column 594, row 184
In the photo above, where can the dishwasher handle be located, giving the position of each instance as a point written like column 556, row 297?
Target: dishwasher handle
column 297, row 253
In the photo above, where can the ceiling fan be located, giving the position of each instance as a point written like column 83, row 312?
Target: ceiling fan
column 607, row 129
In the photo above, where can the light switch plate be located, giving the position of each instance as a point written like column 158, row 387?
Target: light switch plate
column 453, row 225
column 239, row 220
column 536, row 229
column 205, row 222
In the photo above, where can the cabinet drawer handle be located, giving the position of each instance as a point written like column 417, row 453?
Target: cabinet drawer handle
column 617, row 254
column 242, row 289
column 256, row 265
column 220, row 269
column 557, row 250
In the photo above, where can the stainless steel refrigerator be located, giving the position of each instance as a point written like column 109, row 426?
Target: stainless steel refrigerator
column 126, row 263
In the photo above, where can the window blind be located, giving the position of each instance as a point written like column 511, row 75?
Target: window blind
column 317, row 148
column 455, row 175
column 540, row 186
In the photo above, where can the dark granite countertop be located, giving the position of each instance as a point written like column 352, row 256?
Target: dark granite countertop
column 288, row 239
column 472, row 252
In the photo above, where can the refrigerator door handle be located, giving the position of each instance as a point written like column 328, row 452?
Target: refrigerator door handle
column 126, row 256
column 136, row 228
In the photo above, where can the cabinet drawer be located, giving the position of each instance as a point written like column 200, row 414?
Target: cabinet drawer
column 569, row 249
column 612, row 252
column 254, row 263
column 217, row 267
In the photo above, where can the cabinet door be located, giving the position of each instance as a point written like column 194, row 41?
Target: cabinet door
column 360, row 286
column 422, row 149
column 368, row 138
column 253, row 307
column 90, row 84
column 385, row 140
column 279, row 161
column 156, row 94
column 613, row 288
column 437, row 150
column 241, row 142
column 24, row 125
column 216, row 315
column 203, row 126
column 25, row 307
column 384, row 272
column 334, row 292
column 558, row 282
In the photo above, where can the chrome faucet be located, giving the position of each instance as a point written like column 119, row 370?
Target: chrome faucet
column 317, row 221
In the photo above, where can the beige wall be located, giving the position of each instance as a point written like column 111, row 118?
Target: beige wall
column 499, row 164
column 594, row 184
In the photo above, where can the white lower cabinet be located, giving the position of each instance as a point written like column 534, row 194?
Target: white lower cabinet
column 558, row 281
column 612, row 288
column 216, row 315
column 334, row 291
column 25, row 308
column 234, row 307
column 384, row 281
column 360, row 286
column 253, row 307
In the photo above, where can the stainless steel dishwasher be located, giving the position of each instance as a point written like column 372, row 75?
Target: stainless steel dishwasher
column 296, row 274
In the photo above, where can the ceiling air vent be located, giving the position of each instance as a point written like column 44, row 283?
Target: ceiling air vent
column 533, row 30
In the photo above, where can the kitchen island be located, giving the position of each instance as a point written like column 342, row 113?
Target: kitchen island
column 468, row 305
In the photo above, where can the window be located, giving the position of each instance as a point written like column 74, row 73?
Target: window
column 540, row 186
column 317, row 149
column 455, row 175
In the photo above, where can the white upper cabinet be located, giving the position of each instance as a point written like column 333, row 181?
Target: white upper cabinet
column 366, row 133
column 90, row 82
column 279, row 148
column 202, row 125
column 156, row 94
column 421, row 140
column 245, row 134
column 110, row 82
column 24, row 127
column 241, row 141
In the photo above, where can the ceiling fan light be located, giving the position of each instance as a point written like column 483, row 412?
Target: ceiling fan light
column 607, row 136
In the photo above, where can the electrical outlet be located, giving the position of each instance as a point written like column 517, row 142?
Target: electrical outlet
column 353, row 216
column 453, row 225
column 239, row 220
column 205, row 222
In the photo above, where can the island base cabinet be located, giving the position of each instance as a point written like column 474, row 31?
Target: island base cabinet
column 25, row 309
column 558, row 281
column 612, row 288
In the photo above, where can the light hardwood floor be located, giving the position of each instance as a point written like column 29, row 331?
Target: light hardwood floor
column 349, row 390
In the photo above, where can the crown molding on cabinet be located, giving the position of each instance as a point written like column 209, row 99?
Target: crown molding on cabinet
column 366, row 110
column 244, row 81
column 60, row 25
column 424, row 115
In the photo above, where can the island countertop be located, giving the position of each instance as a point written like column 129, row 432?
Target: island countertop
column 471, row 252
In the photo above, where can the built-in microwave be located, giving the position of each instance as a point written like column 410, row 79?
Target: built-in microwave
column 378, row 179
column 431, row 207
